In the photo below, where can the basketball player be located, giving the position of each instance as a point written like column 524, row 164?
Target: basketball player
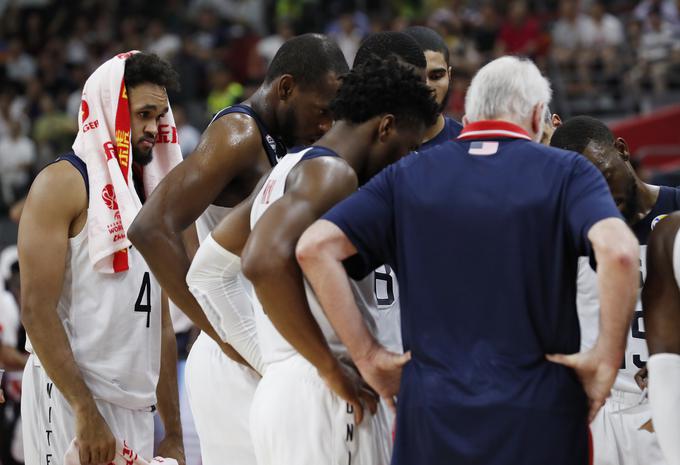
column 478, row 388
column 621, row 432
column 438, row 77
column 234, row 154
column 661, row 304
column 381, row 110
column 103, row 347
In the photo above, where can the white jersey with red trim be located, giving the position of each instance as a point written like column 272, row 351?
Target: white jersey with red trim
column 376, row 295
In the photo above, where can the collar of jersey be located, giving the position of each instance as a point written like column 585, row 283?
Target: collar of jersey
column 492, row 129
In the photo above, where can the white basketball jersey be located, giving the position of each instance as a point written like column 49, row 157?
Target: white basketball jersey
column 113, row 323
column 381, row 310
column 588, row 305
column 676, row 258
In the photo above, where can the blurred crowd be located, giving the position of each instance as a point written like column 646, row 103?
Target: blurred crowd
column 604, row 57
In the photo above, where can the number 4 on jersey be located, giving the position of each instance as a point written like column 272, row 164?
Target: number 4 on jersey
column 145, row 294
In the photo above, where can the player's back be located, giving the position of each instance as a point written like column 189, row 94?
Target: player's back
column 381, row 314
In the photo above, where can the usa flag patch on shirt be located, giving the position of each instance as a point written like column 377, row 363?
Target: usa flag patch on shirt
column 483, row 148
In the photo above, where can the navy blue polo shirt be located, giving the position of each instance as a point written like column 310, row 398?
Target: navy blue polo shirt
column 450, row 131
column 484, row 234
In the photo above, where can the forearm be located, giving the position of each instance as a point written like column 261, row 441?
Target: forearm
column 331, row 285
column 281, row 292
column 618, row 287
column 165, row 253
column 52, row 347
column 12, row 359
column 167, row 389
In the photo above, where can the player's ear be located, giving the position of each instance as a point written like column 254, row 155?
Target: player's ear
column 450, row 71
column 385, row 127
column 466, row 121
column 556, row 120
column 284, row 86
column 622, row 147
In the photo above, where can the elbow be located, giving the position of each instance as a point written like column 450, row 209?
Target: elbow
column 306, row 250
column 136, row 231
column 623, row 255
column 29, row 317
column 260, row 265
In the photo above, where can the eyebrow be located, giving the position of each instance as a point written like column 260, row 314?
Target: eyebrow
column 151, row 107
column 437, row 69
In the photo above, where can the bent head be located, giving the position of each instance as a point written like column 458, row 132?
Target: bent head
column 593, row 139
column 509, row 89
column 392, row 44
column 393, row 101
column 147, row 79
column 304, row 76
column 438, row 71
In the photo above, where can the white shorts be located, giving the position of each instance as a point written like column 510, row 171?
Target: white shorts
column 48, row 423
column 295, row 419
column 220, row 391
column 617, row 437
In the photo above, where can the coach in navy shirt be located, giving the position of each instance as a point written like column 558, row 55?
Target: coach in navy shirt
column 484, row 234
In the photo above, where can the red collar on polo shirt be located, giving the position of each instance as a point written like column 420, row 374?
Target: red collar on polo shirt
column 492, row 129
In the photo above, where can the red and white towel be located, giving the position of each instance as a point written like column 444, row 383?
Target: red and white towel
column 124, row 456
column 103, row 142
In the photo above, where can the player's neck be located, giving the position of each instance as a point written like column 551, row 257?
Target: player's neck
column 261, row 105
column 351, row 141
column 435, row 129
column 647, row 195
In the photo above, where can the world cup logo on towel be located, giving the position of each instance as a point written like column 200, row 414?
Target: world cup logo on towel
column 85, row 110
column 109, row 197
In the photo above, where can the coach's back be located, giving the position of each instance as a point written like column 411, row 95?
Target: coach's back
column 494, row 227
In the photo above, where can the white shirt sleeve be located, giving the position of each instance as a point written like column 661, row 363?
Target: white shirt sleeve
column 214, row 280
column 664, row 397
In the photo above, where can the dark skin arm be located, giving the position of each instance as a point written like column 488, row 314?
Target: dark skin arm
column 167, row 393
column 230, row 147
column 46, row 224
column 660, row 294
column 268, row 261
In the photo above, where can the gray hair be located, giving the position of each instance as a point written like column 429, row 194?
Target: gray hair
column 508, row 86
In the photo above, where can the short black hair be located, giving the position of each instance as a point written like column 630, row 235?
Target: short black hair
column 378, row 87
column 390, row 43
column 428, row 39
column 576, row 133
column 307, row 58
column 149, row 67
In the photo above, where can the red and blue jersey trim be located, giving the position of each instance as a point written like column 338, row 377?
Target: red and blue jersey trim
column 491, row 129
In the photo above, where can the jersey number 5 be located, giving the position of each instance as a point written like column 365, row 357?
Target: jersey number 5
column 145, row 294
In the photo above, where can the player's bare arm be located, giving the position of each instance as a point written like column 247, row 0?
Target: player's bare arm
column 269, row 262
column 616, row 251
column 230, row 146
column 661, row 305
column 167, row 393
column 54, row 211
column 660, row 294
column 320, row 253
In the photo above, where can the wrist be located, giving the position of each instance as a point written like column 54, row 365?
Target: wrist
column 84, row 405
column 610, row 353
column 327, row 364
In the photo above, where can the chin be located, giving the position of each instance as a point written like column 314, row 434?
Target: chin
column 142, row 158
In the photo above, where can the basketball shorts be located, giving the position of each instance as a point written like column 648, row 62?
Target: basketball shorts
column 295, row 419
column 220, row 391
column 620, row 434
column 48, row 423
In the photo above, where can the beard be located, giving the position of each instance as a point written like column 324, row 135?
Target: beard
column 445, row 100
column 140, row 156
column 289, row 129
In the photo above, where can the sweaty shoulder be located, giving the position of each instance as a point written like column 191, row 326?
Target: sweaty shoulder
column 235, row 134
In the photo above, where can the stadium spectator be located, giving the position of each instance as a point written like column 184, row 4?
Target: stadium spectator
column 520, row 33
column 17, row 155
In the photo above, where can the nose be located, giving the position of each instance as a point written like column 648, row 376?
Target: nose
column 151, row 128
